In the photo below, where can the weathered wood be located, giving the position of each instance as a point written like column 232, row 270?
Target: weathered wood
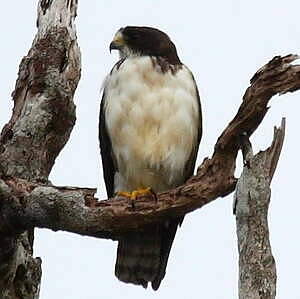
column 215, row 176
column 257, row 269
column 41, row 123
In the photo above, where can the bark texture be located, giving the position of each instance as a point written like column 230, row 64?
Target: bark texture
column 257, row 269
column 41, row 123
column 76, row 210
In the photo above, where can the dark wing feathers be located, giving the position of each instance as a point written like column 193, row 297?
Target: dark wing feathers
column 167, row 233
column 108, row 165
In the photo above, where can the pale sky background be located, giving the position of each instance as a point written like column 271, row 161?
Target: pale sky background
column 223, row 43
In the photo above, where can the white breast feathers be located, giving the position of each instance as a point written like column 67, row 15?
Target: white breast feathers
column 152, row 119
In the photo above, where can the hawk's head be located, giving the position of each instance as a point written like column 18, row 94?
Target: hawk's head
column 133, row 40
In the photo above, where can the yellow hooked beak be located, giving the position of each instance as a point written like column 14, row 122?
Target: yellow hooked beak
column 118, row 42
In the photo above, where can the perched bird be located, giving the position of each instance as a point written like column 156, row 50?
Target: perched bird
column 150, row 129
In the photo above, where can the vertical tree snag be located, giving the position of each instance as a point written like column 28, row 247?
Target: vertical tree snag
column 257, row 270
column 41, row 123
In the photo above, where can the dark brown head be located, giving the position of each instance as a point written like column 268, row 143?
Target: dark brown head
column 133, row 40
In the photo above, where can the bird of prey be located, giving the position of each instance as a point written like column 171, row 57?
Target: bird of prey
column 150, row 129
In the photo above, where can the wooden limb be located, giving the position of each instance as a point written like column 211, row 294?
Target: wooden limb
column 76, row 210
column 257, row 269
column 214, row 178
column 41, row 123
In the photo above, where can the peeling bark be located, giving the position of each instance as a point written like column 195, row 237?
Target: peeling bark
column 257, row 269
column 41, row 123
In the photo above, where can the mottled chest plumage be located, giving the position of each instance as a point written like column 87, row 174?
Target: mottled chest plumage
column 152, row 119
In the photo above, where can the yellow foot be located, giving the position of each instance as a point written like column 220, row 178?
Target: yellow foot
column 141, row 192
column 136, row 193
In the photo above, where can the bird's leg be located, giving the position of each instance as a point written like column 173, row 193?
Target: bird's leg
column 136, row 193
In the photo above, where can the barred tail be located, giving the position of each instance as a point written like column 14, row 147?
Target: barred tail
column 142, row 256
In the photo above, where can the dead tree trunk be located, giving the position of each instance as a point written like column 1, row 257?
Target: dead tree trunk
column 42, row 120
column 257, row 269
column 43, row 117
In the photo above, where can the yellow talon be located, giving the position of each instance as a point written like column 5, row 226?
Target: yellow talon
column 141, row 192
column 136, row 193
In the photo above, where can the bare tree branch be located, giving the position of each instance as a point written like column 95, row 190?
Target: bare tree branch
column 41, row 123
column 215, row 176
column 257, row 269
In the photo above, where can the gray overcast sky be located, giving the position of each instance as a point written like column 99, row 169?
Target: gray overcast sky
column 223, row 43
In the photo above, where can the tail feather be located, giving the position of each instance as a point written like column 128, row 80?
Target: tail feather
column 142, row 256
column 168, row 233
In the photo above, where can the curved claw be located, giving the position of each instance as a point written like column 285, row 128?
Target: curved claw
column 136, row 193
